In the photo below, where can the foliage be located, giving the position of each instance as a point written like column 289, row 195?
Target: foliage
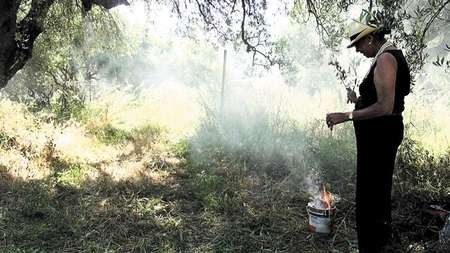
column 144, row 137
column 65, row 60
column 238, row 184
column 328, row 16
column 225, row 189
column 441, row 61
column 413, row 23
column 422, row 173
column 109, row 134
column 208, row 188
column 264, row 143
column 24, row 22
column 74, row 175
column 421, row 183
column 300, row 53
column 240, row 22
column 6, row 141
column 182, row 148
column 334, row 154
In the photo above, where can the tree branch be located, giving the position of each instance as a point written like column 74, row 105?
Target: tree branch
column 250, row 47
column 312, row 10
column 107, row 4
column 17, row 39
column 430, row 22
column 210, row 21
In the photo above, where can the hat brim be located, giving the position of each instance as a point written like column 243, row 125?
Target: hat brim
column 361, row 35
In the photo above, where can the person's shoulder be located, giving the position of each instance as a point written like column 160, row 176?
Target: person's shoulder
column 387, row 58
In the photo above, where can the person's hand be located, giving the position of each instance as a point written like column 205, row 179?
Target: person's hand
column 336, row 118
column 351, row 96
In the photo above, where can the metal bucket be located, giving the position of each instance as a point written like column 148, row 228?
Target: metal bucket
column 320, row 219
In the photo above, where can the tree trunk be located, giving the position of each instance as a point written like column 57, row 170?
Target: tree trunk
column 107, row 4
column 17, row 40
column 8, row 11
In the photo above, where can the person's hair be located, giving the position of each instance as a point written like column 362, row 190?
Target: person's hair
column 381, row 32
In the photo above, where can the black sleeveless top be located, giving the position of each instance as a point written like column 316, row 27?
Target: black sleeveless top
column 368, row 92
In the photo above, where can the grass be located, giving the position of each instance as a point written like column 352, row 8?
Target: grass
column 110, row 135
column 182, row 210
column 207, row 193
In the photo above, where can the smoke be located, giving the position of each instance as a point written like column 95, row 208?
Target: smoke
column 262, row 120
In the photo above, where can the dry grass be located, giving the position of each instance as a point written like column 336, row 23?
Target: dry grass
column 110, row 198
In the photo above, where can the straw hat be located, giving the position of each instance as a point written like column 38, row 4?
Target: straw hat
column 360, row 28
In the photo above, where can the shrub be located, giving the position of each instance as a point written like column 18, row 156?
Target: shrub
column 423, row 173
column 67, row 107
column 333, row 153
column 267, row 144
column 109, row 134
column 74, row 175
column 143, row 138
column 182, row 148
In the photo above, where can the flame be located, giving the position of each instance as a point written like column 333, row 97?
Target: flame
column 326, row 197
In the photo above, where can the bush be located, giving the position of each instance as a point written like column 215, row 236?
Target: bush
column 182, row 148
column 266, row 144
column 334, row 154
column 422, row 173
column 67, row 107
column 278, row 148
column 111, row 135
column 143, row 138
column 74, row 175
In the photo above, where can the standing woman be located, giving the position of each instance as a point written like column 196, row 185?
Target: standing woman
column 378, row 125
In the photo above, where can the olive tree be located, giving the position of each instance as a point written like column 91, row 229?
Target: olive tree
column 239, row 21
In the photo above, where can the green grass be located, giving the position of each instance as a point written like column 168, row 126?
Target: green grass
column 74, row 175
column 229, row 188
column 111, row 135
column 144, row 137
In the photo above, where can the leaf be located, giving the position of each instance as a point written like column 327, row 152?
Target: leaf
column 436, row 62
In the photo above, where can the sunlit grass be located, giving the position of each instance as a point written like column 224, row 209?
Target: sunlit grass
column 20, row 125
column 170, row 105
column 74, row 145
column 429, row 124
column 75, row 175
column 110, row 180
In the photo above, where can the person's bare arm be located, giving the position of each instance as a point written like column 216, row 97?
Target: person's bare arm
column 385, row 74
column 384, row 78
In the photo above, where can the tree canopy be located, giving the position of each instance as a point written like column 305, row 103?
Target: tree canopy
column 240, row 21
column 21, row 22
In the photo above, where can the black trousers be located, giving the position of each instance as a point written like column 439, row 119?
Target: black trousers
column 377, row 142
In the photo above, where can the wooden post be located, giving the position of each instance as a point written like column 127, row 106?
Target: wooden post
column 222, row 90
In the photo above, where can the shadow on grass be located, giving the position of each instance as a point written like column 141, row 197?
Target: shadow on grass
column 130, row 215
column 147, row 215
column 187, row 211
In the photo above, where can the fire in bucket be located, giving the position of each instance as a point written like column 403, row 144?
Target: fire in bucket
column 320, row 210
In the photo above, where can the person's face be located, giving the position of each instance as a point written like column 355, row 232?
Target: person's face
column 365, row 47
